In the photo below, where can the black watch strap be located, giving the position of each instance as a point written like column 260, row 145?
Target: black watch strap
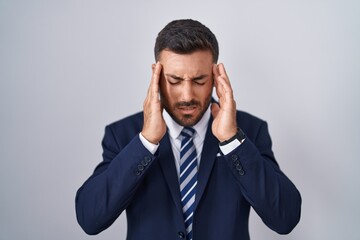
column 240, row 135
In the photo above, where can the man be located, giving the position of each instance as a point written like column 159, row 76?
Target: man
column 188, row 167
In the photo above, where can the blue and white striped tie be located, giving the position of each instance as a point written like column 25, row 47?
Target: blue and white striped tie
column 188, row 178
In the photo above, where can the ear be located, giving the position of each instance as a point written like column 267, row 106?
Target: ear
column 153, row 67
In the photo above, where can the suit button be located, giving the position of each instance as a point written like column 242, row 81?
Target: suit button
column 234, row 157
column 147, row 159
column 141, row 167
column 137, row 172
column 181, row 235
column 239, row 167
column 144, row 162
column 241, row 172
column 237, row 163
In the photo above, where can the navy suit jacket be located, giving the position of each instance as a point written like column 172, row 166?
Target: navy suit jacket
column 146, row 186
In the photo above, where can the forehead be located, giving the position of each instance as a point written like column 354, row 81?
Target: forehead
column 191, row 63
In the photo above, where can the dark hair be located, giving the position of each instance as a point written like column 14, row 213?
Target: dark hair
column 186, row 36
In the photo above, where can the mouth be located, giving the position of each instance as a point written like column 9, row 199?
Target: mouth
column 187, row 110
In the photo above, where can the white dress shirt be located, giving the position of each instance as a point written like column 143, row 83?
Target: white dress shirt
column 174, row 130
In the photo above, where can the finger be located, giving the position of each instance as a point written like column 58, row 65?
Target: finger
column 152, row 76
column 223, row 73
column 154, row 84
column 215, row 75
column 216, row 81
column 156, row 76
column 216, row 71
column 225, row 90
column 224, row 79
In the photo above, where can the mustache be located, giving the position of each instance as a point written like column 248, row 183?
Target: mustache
column 187, row 104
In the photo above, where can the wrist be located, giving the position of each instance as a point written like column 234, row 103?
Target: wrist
column 148, row 145
column 239, row 135
column 148, row 138
column 225, row 136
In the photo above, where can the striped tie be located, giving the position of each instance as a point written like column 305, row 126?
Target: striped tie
column 188, row 177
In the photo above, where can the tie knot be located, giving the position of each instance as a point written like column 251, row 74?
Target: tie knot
column 187, row 132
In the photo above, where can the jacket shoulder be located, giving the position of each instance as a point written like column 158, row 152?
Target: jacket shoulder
column 127, row 127
column 249, row 123
column 134, row 119
column 245, row 117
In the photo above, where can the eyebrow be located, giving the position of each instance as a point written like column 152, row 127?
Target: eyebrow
column 193, row 79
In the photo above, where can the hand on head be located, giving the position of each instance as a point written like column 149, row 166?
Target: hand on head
column 224, row 125
column 154, row 125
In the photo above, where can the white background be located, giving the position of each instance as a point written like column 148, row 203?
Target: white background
column 68, row 68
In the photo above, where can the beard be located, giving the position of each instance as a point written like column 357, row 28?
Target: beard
column 186, row 120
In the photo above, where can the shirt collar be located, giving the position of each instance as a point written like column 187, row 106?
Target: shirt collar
column 175, row 129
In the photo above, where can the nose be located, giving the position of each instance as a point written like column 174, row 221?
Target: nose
column 187, row 91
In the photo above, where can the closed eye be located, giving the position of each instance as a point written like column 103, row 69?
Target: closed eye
column 201, row 80
column 173, row 80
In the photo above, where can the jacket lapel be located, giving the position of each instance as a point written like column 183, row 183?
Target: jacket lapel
column 208, row 156
column 167, row 163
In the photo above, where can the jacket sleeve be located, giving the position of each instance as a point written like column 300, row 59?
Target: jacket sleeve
column 103, row 197
column 272, row 195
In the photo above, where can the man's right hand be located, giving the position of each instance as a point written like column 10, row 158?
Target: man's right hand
column 154, row 127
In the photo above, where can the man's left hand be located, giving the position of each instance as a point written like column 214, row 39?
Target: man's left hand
column 224, row 125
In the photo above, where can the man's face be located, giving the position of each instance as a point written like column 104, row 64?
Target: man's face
column 186, row 85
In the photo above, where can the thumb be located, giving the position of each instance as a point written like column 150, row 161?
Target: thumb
column 215, row 108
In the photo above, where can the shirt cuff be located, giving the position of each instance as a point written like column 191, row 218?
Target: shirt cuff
column 148, row 145
column 228, row 148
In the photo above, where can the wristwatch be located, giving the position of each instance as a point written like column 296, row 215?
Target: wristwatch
column 240, row 135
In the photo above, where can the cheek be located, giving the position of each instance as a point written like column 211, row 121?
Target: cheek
column 205, row 92
column 168, row 92
column 171, row 91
